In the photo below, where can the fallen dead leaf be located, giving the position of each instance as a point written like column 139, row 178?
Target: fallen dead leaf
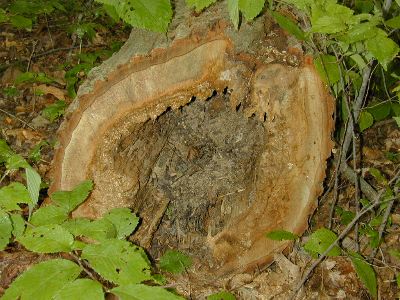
column 52, row 90
column 10, row 75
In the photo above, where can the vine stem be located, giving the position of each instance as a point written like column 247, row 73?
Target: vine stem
column 342, row 235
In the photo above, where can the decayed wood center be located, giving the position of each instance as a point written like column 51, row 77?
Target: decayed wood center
column 214, row 138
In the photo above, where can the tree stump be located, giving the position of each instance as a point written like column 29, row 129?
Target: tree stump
column 213, row 136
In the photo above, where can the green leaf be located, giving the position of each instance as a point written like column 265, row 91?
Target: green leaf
column 280, row 235
column 53, row 111
column 112, row 12
column 380, row 111
column 366, row 120
column 124, row 221
column 99, row 230
column 329, row 17
column 16, row 161
column 5, row 229
column 3, row 16
column 49, row 215
column 174, row 261
column 200, row 4
column 320, row 240
column 30, row 77
column 131, row 265
column 398, row 280
column 289, row 25
column 35, row 154
column 251, row 9
column 378, row 175
column 397, row 119
column 42, row 281
column 154, row 15
column 222, row 296
column 47, row 239
column 365, row 272
column 382, row 48
column 18, row 224
column 82, row 289
column 13, row 194
column 394, row 22
column 33, row 181
column 233, row 9
column 143, row 292
column 328, row 67
column 71, row 199
column 21, row 22
column 5, row 151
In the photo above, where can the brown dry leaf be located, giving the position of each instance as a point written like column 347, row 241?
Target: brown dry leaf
column 23, row 135
column 59, row 76
column 10, row 75
column 372, row 154
column 52, row 90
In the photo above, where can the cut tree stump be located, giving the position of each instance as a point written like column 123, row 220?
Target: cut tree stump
column 213, row 136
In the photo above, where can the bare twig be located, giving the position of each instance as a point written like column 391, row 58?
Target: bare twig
column 368, row 191
column 15, row 117
column 339, row 238
column 51, row 51
column 362, row 212
column 30, row 57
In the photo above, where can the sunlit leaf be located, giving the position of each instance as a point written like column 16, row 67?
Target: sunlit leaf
column 71, row 199
column 143, row 292
column 281, row 235
column 200, row 4
column 124, row 221
column 251, row 9
column 365, row 121
column 289, row 25
column 82, row 289
column 12, row 195
column 221, row 296
column 42, row 281
column 320, row 240
column 365, row 272
column 5, row 229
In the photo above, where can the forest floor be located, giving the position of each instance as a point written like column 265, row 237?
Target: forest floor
column 31, row 109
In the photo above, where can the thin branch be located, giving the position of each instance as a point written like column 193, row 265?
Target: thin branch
column 368, row 191
column 349, row 227
column 15, row 117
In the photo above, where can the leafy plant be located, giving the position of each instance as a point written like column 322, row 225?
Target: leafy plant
column 174, row 261
column 280, row 235
column 101, row 244
column 53, row 111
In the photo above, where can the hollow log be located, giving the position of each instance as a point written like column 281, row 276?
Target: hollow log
column 214, row 136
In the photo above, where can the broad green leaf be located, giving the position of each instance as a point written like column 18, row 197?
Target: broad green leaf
column 3, row 16
column 380, row 111
column 42, row 281
column 397, row 119
column 280, row 235
column 53, row 111
column 329, row 17
column 21, row 22
column 346, row 216
column 320, row 240
column 154, row 15
column 71, row 199
column 143, row 292
column 174, row 261
column 222, row 296
column 82, row 289
column 394, row 22
column 13, row 194
column 328, row 67
column 366, row 120
column 365, row 272
column 31, row 77
column 112, row 12
column 33, row 181
column 99, row 230
column 289, row 25
column 5, row 151
column 359, row 60
column 16, row 161
column 5, row 229
column 130, row 266
column 18, row 224
column 382, row 48
column 200, row 4
column 47, row 239
column 124, row 221
column 49, row 215
column 360, row 32
column 251, row 9
column 233, row 9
